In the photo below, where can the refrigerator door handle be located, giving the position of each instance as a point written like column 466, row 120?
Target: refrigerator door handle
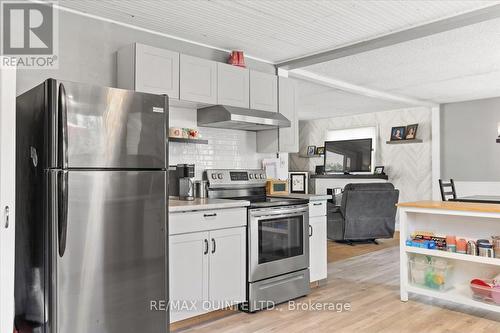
column 62, row 210
column 63, row 127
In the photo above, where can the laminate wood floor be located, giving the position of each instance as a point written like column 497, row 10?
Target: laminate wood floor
column 337, row 252
column 370, row 284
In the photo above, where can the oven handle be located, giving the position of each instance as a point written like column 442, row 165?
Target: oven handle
column 280, row 213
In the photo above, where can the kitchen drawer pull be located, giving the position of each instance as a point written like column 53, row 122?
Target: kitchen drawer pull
column 210, row 215
column 206, row 246
column 318, row 204
column 213, row 245
column 310, row 230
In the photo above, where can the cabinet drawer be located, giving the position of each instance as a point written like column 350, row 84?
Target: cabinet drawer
column 317, row 208
column 184, row 222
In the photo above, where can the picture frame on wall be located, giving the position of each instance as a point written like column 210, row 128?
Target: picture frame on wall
column 411, row 132
column 298, row 183
column 311, row 150
column 379, row 170
column 398, row 133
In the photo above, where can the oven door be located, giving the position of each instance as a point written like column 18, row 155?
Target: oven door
column 278, row 241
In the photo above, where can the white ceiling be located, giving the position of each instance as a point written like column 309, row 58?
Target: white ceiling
column 457, row 65
column 274, row 30
column 317, row 101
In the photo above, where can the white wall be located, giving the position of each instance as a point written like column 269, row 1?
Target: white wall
column 226, row 149
column 409, row 166
column 469, row 151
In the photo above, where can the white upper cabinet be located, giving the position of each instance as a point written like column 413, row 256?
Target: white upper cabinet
column 157, row 71
column 263, row 91
column 149, row 69
column 198, row 80
column 289, row 136
column 267, row 141
column 233, row 85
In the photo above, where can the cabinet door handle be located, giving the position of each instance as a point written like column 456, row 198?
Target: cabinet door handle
column 317, row 204
column 7, row 217
column 206, row 246
column 213, row 245
column 210, row 215
column 310, row 230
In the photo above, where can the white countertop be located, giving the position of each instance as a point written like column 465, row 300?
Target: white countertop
column 175, row 205
column 310, row 197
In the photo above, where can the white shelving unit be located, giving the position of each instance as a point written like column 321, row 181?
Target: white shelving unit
column 459, row 295
column 470, row 221
column 454, row 256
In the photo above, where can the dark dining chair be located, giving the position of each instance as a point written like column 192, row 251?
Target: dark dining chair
column 447, row 190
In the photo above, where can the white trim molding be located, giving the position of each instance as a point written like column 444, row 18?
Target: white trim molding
column 7, row 194
column 436, row 151
column 356, row 89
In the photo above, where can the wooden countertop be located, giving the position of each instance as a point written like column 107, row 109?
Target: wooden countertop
column 453, row 205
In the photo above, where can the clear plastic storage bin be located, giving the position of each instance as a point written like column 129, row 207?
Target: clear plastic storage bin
column 430, row 272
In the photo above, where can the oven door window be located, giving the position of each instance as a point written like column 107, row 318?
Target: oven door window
column 281, row 238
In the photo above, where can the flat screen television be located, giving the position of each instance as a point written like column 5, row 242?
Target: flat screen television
column 348, row 156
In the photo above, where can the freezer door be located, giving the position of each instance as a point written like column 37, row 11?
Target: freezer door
column 100, row 127
column 111, row 252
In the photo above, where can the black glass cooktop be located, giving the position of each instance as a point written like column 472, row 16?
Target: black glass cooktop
column 265, row 202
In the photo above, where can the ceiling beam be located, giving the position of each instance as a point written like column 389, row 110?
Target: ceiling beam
column 450, row 23
column 355, row 89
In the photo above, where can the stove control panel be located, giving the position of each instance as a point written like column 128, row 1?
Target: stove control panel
column 219, row 177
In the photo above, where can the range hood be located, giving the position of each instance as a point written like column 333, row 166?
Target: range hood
column 222, row 116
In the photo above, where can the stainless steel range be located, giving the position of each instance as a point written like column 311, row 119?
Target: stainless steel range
column 277, row 235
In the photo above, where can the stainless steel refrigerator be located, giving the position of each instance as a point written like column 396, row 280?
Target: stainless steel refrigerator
column 91, row 220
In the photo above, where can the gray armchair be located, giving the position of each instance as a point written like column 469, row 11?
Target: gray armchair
column 367, row 212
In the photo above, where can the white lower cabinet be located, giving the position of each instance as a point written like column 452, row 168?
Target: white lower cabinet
column 317, row 244
column 227, row 278
column 206, row 268
column 188, row 273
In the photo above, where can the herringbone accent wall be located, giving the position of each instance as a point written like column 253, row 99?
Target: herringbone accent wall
column 409, row 166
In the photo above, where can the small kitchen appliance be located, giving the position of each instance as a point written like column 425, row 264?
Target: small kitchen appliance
column 185, row 173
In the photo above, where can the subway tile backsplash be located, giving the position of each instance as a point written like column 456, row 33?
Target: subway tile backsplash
column 226, row 149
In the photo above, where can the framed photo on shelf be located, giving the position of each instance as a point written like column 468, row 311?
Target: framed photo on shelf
column 320, row 150
column 311, row 150
column 379, row 170
column 398, row 133
column 298, row 183
column 411, row 132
